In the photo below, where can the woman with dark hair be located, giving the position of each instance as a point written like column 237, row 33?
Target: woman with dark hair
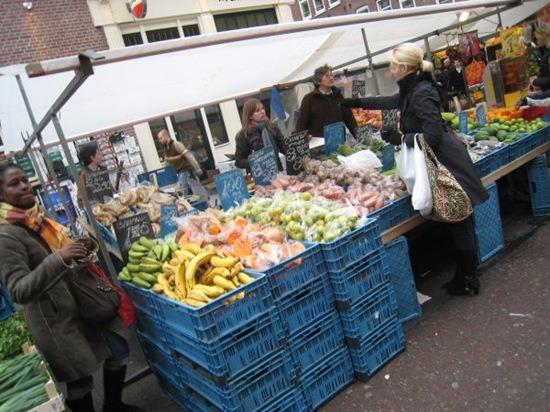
column 257, row 132
column 42, row 270
column 420, row 107
column 91, row 160
column 323, row 106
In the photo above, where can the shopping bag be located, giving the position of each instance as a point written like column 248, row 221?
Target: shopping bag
column 422, row 192
column 404, row 161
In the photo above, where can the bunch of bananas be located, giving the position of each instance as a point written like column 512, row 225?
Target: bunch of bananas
column 145, row 260
column 196, row 275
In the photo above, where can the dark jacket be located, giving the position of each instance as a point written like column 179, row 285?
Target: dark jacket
column 319, row 110
column 420, row 108
column 38, row 280
column 250, row 140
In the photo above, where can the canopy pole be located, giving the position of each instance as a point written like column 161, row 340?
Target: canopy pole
column 38, row 173
column 82, row 193
column 428, row 50
column 369, row 58
column 499, row 19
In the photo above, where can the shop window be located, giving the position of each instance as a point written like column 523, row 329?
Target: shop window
column 242, row 20
column 156, row 126
column 383, row 5
column 405, row 4
column 132, row 39
column 445, row 1
column 190, row 30
column 304, row 8
column 319, row 6
column 168, row 33
column 189, row 129
column 216, row 124
column 362, row 9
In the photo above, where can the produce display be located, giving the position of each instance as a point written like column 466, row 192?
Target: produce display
column 22, row 383
column 364, row 117
column 13, row 334
column 508, row 131
column 144, row 198
column 474, row 72
column 453, row 120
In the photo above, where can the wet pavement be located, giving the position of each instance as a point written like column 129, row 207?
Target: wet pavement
column 490, row 352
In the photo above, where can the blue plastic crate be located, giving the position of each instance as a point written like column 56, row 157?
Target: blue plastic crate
column 327, row 378
column 402, row 279
column 249, row 391
column 291, row 401
column 359, row 279
column 286, row 277
column 200, row 205
column 322, row 337
column 366, row 315
column 488, row 226
column 234, row 352
column 394, row 213
column 493, row 161
column 527, row 143
column 157, row 357
column 152, row 328
column 539, row 180
column 352, row 246
column 220, row 316
column 377, row 350
column 6, row 305
column 144, row 300
column 299, row 309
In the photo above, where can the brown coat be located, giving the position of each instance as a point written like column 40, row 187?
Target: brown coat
column 37, row 279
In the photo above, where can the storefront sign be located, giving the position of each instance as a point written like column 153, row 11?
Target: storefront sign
column 231, row 188
column 297, row 149
column 130, row 229
column 263, row 165
column 335, row 136
column 138, row 8
column 98, row 185
column 358, row 88
column 481, row 114
column 463, row 122
column 167, row 223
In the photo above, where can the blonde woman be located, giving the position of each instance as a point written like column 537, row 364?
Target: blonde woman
column 420, row 106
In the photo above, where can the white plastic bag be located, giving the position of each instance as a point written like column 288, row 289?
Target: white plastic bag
column 363, row 160
column 422, row 193
column 404, row 161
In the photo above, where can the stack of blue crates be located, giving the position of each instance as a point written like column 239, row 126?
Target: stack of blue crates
column 488, row 226
column 365, row 299
column 539, row 185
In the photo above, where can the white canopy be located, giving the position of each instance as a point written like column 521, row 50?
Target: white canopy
column 126, row 91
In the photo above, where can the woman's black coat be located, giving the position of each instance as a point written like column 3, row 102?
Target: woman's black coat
column 250, row 140
column 420, row 107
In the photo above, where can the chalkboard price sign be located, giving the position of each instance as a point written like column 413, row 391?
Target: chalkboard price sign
column 358, row 88
column 98, row 185
column 481, row 114
column 297, row 149
column 463, row 122
column 231, row 188
column 167, row 215
column 335, row 136
column 263, row 165
column 130, row 229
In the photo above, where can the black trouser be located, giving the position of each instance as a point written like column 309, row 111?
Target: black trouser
column 463, row 237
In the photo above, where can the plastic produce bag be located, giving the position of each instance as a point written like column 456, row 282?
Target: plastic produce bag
column 422, row 193
column 404, row 161
column 363, row 160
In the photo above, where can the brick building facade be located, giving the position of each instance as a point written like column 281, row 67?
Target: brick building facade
column 50, row 29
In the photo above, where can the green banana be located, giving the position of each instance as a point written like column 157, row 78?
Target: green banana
column 140, row 282
column 173, row 246
column 125, row 271
column 165, row 253
column 149, row 268
column 148, row 243
column 134, row 260
column 132, row 267
column 135, row 254
column 148, row 277
column 124, row 276
column 150, row 261
column 136, row 247
column 158, row 251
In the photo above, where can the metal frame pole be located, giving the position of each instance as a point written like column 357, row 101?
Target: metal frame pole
column 369, row 58
column 39, row 173
column 428, row 49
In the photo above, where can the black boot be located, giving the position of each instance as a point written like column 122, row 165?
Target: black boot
column 113, row 383
column 85, row 404
column 470, row 285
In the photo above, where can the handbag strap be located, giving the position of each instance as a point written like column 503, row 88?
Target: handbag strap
column 428, row 151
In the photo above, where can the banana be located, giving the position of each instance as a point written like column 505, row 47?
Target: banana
column 163, row 281
column 220, row 262
column 194, row 248
column 134, row 260
column 165, row 253
column 235, row 298
column 170, row 269
column 183, row 255
column 209, row 275
column 124, row 276
column 148, row 243
column 192, row 267
column 224, row 283
column 150, row 268
column 132, row 267
column 158, row 288
column 148, row 277
column 235, row 281
column 157, row 250
column 173, row 246
column 244, row 278
column 192, row 302
column 181, row 289
column 209, row 248
column 172, row 280
column 210, row 291
column 125, row 271
column 174, row 261
column 198, row 295
column 236, row 269
column 150, row 261
column 135, row 254
column 136, row 247
column 140, row 282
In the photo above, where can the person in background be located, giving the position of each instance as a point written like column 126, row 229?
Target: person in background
column 457, row 84
column 40, row 268
column 323, row 106
column 420, row 108
column 542, row 53
column 91, row 160
column 256, row 133
column 178, row 156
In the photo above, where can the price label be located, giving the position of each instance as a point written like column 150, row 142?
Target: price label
column 263, row 165
column 130, row 229
column 463, row 122
column 297, row 149
column 358, row 88
column 98, row 185
column 231, row 188
column 481, row 114
column 335, row 136
column 167, row 223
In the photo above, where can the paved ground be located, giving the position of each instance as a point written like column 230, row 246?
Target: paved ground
column 490, row 352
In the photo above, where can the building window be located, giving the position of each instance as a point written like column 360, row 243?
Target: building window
column 405, row 4
column 216, row 124
column 189, row 129
column 332, row 3
column 319, row 6
column 132, row 39
column 168, row 33
column 445, row 1
column 362, row 9
column 242, row 20
column 383, row 5
column 304, row 8
column 190, row 30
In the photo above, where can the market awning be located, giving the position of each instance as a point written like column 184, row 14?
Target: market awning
column 130, row 91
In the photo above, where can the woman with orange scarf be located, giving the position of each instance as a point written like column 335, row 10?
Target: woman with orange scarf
column 43, row 270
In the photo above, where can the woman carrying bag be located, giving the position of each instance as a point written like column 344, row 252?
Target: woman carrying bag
column 76, row 316
column 420, row 106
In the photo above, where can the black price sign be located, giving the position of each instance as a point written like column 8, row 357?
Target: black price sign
column 297, row 149
column 130, row 229
column 98, row 186
column 358, row 88
column 263, row 165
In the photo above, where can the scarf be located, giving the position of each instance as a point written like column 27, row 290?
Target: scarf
column 53, row 233
column 267, row 139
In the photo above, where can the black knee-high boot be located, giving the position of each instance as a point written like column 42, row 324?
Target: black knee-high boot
column 85, row 404
column 113, row 383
